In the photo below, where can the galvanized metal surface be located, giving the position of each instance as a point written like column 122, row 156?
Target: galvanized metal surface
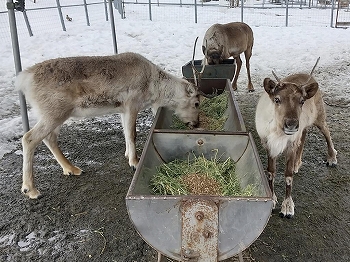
column 166, row 222
column 158, row 219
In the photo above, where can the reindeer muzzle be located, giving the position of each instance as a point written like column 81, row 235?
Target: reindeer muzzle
column 291, row 126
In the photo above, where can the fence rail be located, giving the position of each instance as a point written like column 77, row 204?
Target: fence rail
column 253, row 12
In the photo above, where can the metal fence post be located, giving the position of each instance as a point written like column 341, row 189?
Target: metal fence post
column 114, row 37
column 27, row 23
column 242, row 10
column 106, row 9
column 17, row 59
column 287, row 9
column 150, row 9
column 60, row 14
column 195, row 11
column 332, row 11
column 86, row 13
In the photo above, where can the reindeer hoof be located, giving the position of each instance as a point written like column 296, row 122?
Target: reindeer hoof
column 32, row 194
column 133, row 168
column 289, row 216
column 331, row 164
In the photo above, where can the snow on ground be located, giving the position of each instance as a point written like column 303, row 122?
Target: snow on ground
column 283, row 49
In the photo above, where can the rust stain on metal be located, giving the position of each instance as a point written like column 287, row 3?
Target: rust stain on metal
column 200, row 142
column 199, row 230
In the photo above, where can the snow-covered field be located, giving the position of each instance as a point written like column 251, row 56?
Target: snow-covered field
column 169, row 44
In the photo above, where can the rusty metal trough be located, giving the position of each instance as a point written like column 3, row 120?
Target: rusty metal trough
column 196, row 227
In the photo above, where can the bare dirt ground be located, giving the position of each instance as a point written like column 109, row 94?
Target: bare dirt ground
column 85, row 218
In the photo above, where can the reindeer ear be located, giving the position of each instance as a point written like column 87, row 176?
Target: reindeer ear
column 309, row 90
column 203, row 50
column 269, row 85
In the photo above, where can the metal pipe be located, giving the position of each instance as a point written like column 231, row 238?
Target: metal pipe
column 150, row 9
column 106, row 9
column 86, row 14
column 17, row 60
column 27, row 23
column 242, row 10
column 60, row 14
column 195, row 11
column 332, row 10
column 287, row 9
column 114, row 37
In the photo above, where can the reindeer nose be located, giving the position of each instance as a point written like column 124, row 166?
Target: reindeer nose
column 291, row 126
column 193, row 124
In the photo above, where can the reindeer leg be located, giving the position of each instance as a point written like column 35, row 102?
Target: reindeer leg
column 51, row 142
column 332, row 153
column 248, row 54
column 129, row 126
column 30, row 141
column 287, row 207
column 299, row 152
column 238, row 69
column 271, row 173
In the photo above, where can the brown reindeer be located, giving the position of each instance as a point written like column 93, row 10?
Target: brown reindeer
column 283, row 114
column 88, row 86
column 222, row 41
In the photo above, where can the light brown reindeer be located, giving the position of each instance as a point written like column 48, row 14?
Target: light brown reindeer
column 283, row 114
column 88, row 86
column 222, row 41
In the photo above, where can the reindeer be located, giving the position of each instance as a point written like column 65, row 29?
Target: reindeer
column 89, row 86
column 283, row 114
column 221, row 41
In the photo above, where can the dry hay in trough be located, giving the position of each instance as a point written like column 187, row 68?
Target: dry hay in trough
column 199, row 176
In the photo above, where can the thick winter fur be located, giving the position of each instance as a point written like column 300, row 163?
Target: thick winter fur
column 88, row 86
column 283, row 114
column 222, row 41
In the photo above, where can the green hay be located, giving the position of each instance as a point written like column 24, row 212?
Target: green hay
column 169, row 177
column 212, row 114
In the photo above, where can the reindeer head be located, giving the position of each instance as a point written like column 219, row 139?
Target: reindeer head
column 187, row 104
column 213, row 55
column 289, row 99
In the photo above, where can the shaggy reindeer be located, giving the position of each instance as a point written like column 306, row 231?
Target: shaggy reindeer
column 89, row 86
column 283, row 114
column 221, row 41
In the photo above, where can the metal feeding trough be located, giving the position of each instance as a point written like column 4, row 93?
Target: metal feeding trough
column 200, row 228
column 225, row 70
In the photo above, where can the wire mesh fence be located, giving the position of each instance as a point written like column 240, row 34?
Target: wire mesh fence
column 41, row 19
column 253, row 12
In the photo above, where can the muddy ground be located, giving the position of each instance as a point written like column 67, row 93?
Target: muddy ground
column 84, row 218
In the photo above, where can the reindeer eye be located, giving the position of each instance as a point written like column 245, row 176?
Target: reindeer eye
column 277, row 100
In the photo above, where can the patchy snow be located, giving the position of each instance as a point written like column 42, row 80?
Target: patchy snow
column 283, row 49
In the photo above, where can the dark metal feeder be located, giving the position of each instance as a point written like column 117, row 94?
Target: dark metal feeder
column 226, row 70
